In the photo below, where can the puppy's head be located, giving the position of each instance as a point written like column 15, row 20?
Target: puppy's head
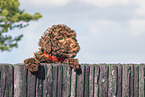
column 60, row 41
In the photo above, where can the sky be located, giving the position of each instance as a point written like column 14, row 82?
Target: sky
column 108, row 31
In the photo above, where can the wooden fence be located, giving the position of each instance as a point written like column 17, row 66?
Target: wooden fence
column 59, row 80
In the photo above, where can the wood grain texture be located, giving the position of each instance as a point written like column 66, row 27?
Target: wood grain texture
column 39, row 81
column 141, row 80
column 20, row 80
column 96, row 80
column 80, row 82
column 136, row 81
column 66, row 81
column 55, row 80
column 127, row 81
column 73, row 83
column 91, row 81
column 48, row 81
column 103, row 80
column 31, row 84
column 119, row 80
column 6, row 80
column 60, row 80
column 87, row 73
column 112, row 91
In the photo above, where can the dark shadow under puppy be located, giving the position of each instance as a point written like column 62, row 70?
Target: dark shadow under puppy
column 40, row 74
column 79, row 70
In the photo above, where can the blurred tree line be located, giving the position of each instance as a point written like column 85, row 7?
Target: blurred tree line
column 12, row 17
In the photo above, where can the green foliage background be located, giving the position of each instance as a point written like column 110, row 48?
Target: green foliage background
column 12, row 17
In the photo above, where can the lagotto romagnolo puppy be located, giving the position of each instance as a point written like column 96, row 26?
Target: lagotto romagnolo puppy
column 57, row 45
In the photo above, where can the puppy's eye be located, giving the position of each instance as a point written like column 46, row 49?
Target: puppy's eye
column 60, row 38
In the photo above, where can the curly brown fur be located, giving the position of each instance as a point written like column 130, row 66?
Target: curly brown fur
column 57, row 45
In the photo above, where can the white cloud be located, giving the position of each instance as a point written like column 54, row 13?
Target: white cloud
column 94, row 27
column 141, row 9
column 49, row 2
column 137, row 26
column 105, row 3
column 99, row 3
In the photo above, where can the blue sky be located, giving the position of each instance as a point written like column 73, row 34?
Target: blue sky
column 108, row 31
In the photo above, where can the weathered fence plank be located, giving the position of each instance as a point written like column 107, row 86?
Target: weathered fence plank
column 66, row 81
column 141, row 80
column 80, row 83
column 31, row 84
column 20, row 80
column 55, row 78
column 112, row 91
column 96, row 81
column 91, row 81
column 119, row 80
column 48, row 81
column 60, row 81
column 6, row 80
column 127, row 82
column 136, row 81
column 103, row 82
column 87, row 71
column 73, row 83
column 39, row 81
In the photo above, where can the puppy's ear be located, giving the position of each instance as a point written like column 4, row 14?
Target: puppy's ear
column 45, row 43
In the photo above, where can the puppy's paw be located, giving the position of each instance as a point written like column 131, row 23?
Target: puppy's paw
column 72, row 62
column 32, row 64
